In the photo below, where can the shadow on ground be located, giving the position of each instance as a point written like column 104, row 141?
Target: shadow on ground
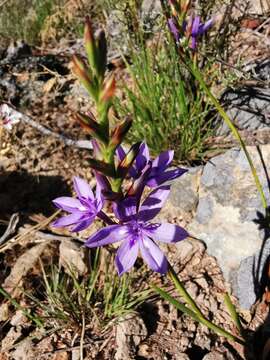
column 29, row 194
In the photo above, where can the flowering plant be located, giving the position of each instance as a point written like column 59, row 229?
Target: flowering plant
column 128, row 181
column 8, row 117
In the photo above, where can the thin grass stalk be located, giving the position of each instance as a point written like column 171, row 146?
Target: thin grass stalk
column 194, row 308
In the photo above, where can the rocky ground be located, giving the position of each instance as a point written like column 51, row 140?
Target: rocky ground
column 216, row 201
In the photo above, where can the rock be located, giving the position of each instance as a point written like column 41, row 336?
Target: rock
column 117, row 30
column 248, row 288
column 189, row 249
column 247, row 107
column 21, row 267
column 227, row 217
column 71, row 257
column 260, row 69
column 184, row 192
column 151, row 11
column 182, row 356
column 24, row 351
column 258, row 7
column 18, row 49
column 130, row 332
column 214, row 355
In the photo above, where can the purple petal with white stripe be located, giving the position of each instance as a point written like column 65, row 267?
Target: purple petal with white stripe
column 153, row 203
column 83, row 224
column 67, row 203
column 165, row 176
column 82, row 188
column 153, row 256
column 107, row 235
column 126, row 209
column 167, row 233
column 162, row 161
column 67, row 220
column 126, row 256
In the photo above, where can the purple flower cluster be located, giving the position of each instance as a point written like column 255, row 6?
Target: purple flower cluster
column 191, row 30
column 133, row 225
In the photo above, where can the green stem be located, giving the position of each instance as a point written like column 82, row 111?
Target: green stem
column 201, row 318
column 194, row 70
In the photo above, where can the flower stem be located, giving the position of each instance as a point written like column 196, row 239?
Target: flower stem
column 201, row 318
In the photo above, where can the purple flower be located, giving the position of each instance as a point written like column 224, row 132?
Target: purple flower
column 138, row 234
column 174, row 28
column 83, row 209
column 194, row 29
column 159, row 172
column 198, row 29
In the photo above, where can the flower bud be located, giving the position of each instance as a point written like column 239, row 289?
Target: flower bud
column 119, row 132
column 108, row 89
column 81, row 71
column 102, row 53
column 102, row 167
column 90, row 45
column 91, row 126
column 127, row 162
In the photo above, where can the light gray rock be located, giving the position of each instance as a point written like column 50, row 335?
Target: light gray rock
column 117, row 33
column 184, row 192
column 214, row 355
column 151, row 11
column 227, row 217
column 247, row 107
column 248, row 287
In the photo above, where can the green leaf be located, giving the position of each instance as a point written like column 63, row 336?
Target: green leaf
column 175, row 303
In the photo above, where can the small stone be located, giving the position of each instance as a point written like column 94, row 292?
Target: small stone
column 214, row 355
column 4, row 312
column 24, row 351
column 143, row 350
column 130, row 332
column 182, row 356
column 18, row 319
column 71, row 257
column 201, row 281
column 192, row 289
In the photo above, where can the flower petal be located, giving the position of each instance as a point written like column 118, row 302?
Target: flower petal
column 84, row 224
column 120, row 153
column 153, row 203
column 126, row 209
column 163, row 161
column 126, row 256
column 82, row 188
column 173, row 29
column 195, row 26
column 165, row 176
column 68, row 220
column 142, row 158
column 206, row 26
column 152, row 254
column 167, row 233
column 67, row 203
column 107, row 235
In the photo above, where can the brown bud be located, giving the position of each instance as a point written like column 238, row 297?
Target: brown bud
column 108, row 89
column 119, row 132
column 91, row 126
